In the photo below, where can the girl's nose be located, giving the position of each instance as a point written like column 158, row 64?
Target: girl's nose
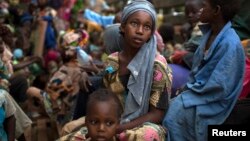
column 139, row 29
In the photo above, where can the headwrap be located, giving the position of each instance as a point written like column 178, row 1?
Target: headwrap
column 76, row 38
column 112, row 39
column 160, row 44
column 51, row 55
column 141, row 66
column 139, row 5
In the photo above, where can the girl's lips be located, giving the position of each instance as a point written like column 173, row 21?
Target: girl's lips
column 101, row 138
column 137, row 40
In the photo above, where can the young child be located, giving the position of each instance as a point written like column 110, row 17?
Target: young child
column 102, row 119
column 215, row 80
column 192, row 12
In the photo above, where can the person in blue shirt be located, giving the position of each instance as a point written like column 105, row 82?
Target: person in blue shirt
column 216, row 77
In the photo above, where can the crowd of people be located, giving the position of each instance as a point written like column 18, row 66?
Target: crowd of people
column 104, row 73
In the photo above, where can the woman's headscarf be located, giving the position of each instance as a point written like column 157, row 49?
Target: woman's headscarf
column 141, row 66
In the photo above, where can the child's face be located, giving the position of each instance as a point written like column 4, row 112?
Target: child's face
column 137, row 29
column 207, row 12
column 102, row 121
column 192, row 10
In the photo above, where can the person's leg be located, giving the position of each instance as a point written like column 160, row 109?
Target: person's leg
column 179, row 121
column 240, row 113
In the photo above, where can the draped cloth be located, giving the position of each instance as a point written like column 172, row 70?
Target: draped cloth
column 112, row 39
column 213, row 88
column 141, row 67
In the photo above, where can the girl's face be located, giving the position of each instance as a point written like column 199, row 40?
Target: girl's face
column 137, row 29
column 102, row 121
column 207, row 12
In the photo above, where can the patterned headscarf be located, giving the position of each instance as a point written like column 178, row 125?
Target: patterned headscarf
column 139, row 5
column 75, row 38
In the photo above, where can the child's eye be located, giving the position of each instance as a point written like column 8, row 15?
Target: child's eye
column 109, row 123
column 93, row 122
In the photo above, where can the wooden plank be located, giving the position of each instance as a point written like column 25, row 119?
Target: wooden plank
column 167, row 3
column 39, row 38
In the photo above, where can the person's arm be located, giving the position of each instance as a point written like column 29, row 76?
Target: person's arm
column 10, row 120
column 154, row 115
column 10, row 124
column 27, row 62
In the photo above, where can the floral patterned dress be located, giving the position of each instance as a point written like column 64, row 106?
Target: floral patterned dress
column 159, row 96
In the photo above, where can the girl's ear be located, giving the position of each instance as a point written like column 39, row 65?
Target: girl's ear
column 122, row 29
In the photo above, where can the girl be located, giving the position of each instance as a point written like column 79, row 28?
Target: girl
column 215, row 81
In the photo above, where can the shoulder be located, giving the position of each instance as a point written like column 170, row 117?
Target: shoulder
column 160, row 60
column 2, row 98
column 230, row 43
column 9, row 103
column 161, row 69
column 112, row 62
column 113, row 56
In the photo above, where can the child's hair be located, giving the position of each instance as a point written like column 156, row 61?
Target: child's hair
column 104, row 95
column 228, row 7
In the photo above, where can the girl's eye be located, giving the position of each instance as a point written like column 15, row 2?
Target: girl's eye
column 147, row 27
column 134, row 24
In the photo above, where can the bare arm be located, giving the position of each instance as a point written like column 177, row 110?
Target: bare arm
column 10, row 124
column 27, row 62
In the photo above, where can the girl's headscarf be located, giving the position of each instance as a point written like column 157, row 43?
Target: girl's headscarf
column 139, row 5
column 141, row 66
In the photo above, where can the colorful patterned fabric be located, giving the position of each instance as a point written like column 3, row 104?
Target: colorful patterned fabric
column 61, row 90
column 79, row 135
column 162, row 80
column 146, row 132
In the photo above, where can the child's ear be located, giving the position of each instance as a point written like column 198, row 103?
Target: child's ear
column 217, row 10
